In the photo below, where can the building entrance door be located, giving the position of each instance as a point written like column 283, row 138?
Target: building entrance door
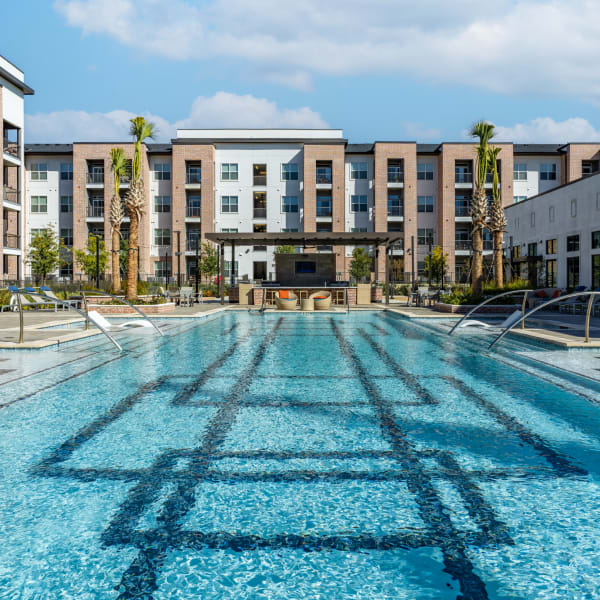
column 260, row 269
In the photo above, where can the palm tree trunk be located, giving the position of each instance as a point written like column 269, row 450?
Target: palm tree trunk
column 116, row 266
column 132, row 257
column 498, row 263
column 477, row 262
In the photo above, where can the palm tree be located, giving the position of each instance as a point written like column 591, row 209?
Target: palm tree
column 120, row 168
column 497, row 220
column 140, row 130
column 484, row 131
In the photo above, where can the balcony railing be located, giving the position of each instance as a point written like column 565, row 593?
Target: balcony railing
column 11, row 240
column 488, row 245
column 95, row 210
column 260, row 213
column 463, row 177
column 462, row 211
column 193, row 177
column 11, row 195
column 323, row 211
column 395, row 175
column 395, row 211
column 193, row 211
column 324, row 177
column 259, row 180
column 11, row 147
column 190, row 244
column 95, row 178
column 463, row 245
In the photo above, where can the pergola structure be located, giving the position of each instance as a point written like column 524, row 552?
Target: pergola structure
column 303, row 238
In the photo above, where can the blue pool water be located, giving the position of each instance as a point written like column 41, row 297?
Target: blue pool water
column 296, row 456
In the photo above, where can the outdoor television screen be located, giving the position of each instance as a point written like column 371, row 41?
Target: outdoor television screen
column 306, row 266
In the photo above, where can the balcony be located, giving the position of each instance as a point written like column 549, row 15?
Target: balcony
column 95, row 211
column 95, row 178
column 191, row 243
column 324, row 178
column 324, row 211
column 193, row 211
column 259, row 213
column 460, row 210
column 259, row 174
column 488, row 245
column 11, row 147
column 395, row 211
column 11, row 240
column 463, row 177
column 395, row 175
column 193, row 177
column 463, row 245
column 11, row 195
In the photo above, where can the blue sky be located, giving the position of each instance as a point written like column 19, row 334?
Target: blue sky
column 386, row 70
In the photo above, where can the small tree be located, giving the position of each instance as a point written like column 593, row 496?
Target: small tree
column 209, row 260
column 44, row 254
column 86, row 259
column 360, row 267
column 435, row 264
column 285, row 249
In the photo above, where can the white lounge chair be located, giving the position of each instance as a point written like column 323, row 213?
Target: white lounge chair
column 141, row 325
column 510, row 320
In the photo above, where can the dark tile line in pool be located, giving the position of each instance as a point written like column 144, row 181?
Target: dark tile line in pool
column 559, row 462
column 402, row 374
column 432, row 511
column 140, row 579
column 399, row 323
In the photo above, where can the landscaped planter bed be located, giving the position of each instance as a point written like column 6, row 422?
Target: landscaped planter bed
column 151, row 309
column 465, row 308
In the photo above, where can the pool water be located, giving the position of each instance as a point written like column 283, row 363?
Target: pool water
column 297, row 456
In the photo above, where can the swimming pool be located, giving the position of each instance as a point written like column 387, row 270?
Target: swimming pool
column 297, row 456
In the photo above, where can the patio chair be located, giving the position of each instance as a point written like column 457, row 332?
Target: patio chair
column 44, row 289
column 510, row 320
column 582, row 303
column 13, row 303
column 137, row 324
column 285, row 300
column 569, row 305
column 38, row 301
column 186, row 296
column 322, row 300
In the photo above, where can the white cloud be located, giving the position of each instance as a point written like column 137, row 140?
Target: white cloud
column 540, row 46
column 420, row 132
column 221, row 110
column 547, row 130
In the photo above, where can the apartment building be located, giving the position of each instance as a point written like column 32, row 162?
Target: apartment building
column 13, row 90
column 288, row 180
column 553, row 238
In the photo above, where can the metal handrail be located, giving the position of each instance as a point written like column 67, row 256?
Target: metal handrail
column 65, row 303
column 262, row 305
column 144, row 315
column 489, row 300
column 552, row 301
column 347, row 302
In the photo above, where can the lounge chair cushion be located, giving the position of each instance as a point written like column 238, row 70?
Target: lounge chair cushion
column 284, row 294
column 540, row 294
column 319, row 297
column 556, row 294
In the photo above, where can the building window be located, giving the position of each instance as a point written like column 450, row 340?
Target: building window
column 589, row 167
column 229, row 229
column 259, row 174
column 551, row 246
column 425, row 172
column 228, row 268
column 39, row 204
column 34, row 232
column 229, row 172
column 66, row 171
column 573, row 243
column 289, row 229
column 66, row 269
column 595, row 240
column 551, row 214
column 551, row 273
column 162, row 237
column 425, row 204
column 548, row 172
column 358, row 203
column 532, row 219
column 162, row 204
column 516, row 252
column 229, row 204
column 323, row 205
column 574, row 207
column 358, row 230
column 395, row 171
column 162, row 268
column 193, row 205
column 162, row 172
column 39, row 172
column 395, row 204
column 532, row 249
column 595, row 271
column 67, row 236
column 572, row 271
column 520, row 172
column 66, row 204
column 289, row 172
column 193, row 173
column 519, row 198
column 289, row 204
column 425, row 237
column 358, row 170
